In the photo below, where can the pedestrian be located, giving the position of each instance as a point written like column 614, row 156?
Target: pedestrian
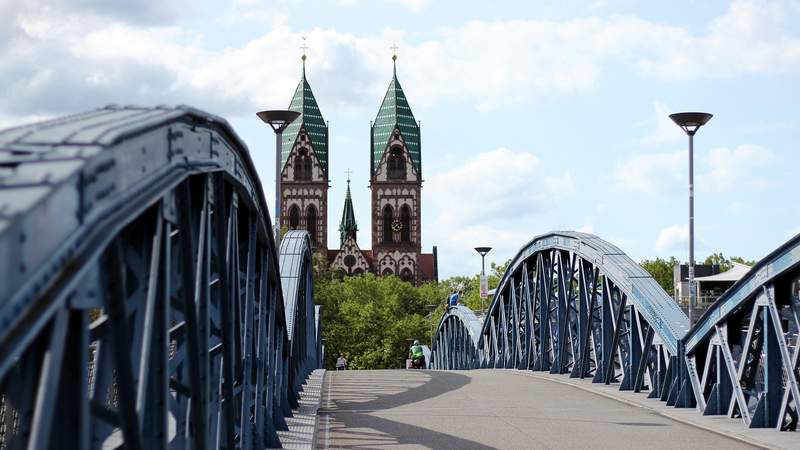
column 453, row 298
column 460, row 300
column 341, row 362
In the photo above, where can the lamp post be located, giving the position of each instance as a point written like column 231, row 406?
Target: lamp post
column 690, row 122
column 430, row 314
column 278, row 120
column 483, row 251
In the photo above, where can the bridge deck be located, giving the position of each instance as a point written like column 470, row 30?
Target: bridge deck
column 483, row 409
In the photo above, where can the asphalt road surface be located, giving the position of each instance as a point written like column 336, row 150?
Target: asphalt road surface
column 484, row 409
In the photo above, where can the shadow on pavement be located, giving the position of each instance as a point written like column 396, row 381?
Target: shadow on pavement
column 351, row 398
column 384, row 389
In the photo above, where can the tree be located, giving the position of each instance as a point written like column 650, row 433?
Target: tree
column 718, row 259
column 724, row 263
column 372, row 320
column 740, row 260
column 662, row 272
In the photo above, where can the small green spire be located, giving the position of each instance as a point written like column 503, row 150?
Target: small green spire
column 348, row 226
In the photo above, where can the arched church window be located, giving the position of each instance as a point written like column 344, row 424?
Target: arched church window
column 357, row 271
column 387, row 271
column 396, row 163
column 405, row 221
column 302, row 165
column 311, row 222
column 407, row 275
column 387, row 224
column 294, row 217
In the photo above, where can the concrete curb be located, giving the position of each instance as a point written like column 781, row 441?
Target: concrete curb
column 316, row 408
column 749, row 440
column 302, row 432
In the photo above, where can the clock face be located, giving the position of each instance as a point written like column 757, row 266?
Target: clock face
column 397, row 225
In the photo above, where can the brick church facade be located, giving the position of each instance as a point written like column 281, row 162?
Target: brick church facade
column 395, row 182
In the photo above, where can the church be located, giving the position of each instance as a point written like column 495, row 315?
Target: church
column 395, row 165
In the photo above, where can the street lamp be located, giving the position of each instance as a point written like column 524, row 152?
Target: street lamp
column 278, row 120
column 430, row 314
column 483, row 251
column 690, row 122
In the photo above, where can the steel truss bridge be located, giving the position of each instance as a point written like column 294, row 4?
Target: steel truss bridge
column 144, row 302
column 573, row 304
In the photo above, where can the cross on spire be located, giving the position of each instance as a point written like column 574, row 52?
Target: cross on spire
column 304, row 47
column 394, row 48
column 348, row 172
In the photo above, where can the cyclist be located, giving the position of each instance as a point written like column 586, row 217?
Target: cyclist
column 417, row 356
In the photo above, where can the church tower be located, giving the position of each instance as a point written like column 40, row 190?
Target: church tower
column 396, row 183
column 304, row 173
column 350, row 259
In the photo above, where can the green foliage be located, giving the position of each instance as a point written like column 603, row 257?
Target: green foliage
column 372, row 320
column 726, row 263
column 471, row 286
column 662, row 271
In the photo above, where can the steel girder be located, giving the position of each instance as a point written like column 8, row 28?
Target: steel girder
column 571, row 303
column 142, row 306
column 301, row 316
column 455, row 344
column 743, row 353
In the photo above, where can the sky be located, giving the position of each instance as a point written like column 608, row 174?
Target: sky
column 536, row 115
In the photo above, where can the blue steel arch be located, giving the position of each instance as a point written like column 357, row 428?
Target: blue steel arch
column 456, row 342
column 742, row 355
column 655, row 305
column 301, row 315
column 144, row 299
column 572, row 303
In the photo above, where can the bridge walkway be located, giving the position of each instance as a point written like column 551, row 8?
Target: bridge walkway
column 483, row 409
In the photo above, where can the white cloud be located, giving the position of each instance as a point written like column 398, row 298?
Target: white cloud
column 653, row 173
column 490, row 199
column 415, row 6
column 716, row 171
column 664, row 129
column 455, row 246
column 55, row 59
column 495, row 184
column 672, row 238
column 751, row 37
column 740, row 168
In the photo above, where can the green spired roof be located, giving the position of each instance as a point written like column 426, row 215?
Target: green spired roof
column 310, row 119
column 395, row 112
column 348, row 224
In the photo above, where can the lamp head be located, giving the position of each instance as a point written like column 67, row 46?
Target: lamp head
column 278, row 119
column 483, row 250
column 690, row 122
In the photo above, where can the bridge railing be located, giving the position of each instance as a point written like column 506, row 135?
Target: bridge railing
column 456, row 341
column 140, row 288
column 743, row 352
column 571, row 303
